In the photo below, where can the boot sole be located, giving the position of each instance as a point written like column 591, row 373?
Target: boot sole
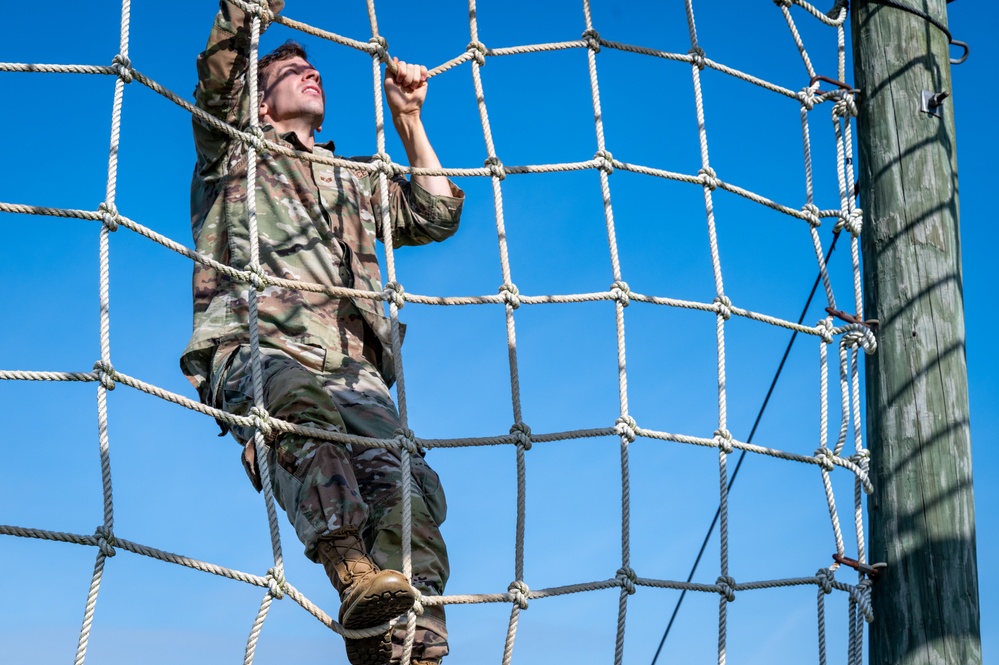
column 376, row 608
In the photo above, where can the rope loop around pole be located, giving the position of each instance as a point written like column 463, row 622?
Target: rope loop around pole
column 407, row 439
column 262, row 421
column 592, row 39
column 726, row 587
column 276, row 583
column 724, row 440
column 605, row 161
column 478, row 51
column 105, row 541
column 621, row 292
column 723, row 307
column 697, row 58
column 708, row 178
column 105, row 373
column 627, row 578
column 495, row 167
column 122, row 66
column 109, row 215
column 522, row 433
column 845, row 106
column 510, row 294
column 825, row 578
column 519, row 593
column 625, row 426
column 824, row 456
column 395, row 294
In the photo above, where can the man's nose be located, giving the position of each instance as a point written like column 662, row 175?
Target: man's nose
column 311, row 75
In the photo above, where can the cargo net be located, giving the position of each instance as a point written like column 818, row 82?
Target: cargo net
column 846, row 334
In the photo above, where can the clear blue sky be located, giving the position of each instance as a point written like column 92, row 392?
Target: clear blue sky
column 178, row 487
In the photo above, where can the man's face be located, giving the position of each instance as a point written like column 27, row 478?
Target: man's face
column 293, row 90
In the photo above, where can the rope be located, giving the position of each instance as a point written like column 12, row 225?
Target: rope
column 850, row 338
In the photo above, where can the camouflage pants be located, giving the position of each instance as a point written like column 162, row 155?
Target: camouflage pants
column 327, row 487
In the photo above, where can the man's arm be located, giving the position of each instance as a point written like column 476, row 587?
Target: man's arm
column 405, row 92
column 222, row 87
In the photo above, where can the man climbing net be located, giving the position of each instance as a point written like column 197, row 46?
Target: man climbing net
column 324, row 361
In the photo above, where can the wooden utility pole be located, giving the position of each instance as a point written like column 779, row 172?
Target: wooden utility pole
column 922, row 510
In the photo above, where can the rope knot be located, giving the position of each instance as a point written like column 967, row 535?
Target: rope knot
column 122, row 66
column 861, row 457
column 519, row 593
column 592, row 39
column 495, row 167
column 621, row 292
column 105, row 541
column 825, row 578
column 510, row 294
column 811, row 212
column 262, row 421
column 384, row 163
column 807, row 98
column 254, row 274
column 724, row 440
column 276, row 582
column 407, row 439
column 845, row 106
column 625, row 426
column 522, row 434
column 105, row 373
column 852, row 222
column 726, row 587
column 825, row 458
column 395, row 294
column 254, row 137
column 708, row 178
column 418, row 603
column 605, row 161
column 723, row 307
column 379, row 46
column 825, row 330
column 697, row 58
column 109, row 215
column 478, row 51
column 627, row 578
column 264, row 12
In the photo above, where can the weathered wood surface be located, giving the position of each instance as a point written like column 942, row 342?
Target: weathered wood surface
column 922, row 510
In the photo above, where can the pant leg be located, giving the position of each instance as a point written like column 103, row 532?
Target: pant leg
column 313, row 479
column 366, row 405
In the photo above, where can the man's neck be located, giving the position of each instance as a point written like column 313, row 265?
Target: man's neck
column 302, row 130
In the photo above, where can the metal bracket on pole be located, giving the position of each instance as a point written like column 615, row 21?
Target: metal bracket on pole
column 932, row 102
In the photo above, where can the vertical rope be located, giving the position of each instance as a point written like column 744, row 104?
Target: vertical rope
column 256, row 370
column 105, row 335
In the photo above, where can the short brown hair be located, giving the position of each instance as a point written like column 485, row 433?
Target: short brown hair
column 290, row 49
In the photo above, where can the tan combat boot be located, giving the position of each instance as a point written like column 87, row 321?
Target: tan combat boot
column 368, row 595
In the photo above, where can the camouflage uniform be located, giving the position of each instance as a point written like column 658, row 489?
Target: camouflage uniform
column 327, row 362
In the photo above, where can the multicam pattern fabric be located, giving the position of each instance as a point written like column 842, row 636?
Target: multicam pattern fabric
column 327, row 361
column 316, row 223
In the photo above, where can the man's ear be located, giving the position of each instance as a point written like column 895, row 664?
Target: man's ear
column 263, row 109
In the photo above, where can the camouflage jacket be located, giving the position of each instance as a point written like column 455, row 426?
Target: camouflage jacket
column 316, row 223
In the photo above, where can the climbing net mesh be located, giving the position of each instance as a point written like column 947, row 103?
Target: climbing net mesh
column 850, row 335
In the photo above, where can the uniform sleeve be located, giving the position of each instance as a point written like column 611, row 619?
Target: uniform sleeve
column 221, row 89
column 417, row 216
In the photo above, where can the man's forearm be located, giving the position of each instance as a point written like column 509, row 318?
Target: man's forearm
column 420, row 153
